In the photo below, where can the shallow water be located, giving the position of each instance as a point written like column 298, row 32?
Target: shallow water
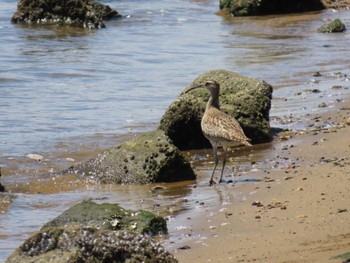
column 67, row 94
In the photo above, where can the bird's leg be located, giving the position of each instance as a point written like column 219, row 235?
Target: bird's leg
column 215, row 149
column 224, row 162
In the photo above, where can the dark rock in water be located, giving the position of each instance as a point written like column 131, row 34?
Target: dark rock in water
column 336, row 26
column 148, row 158
column 266, row 7
column 73, row 244
column 246, row 99
column 110, row 217
column 79, row 13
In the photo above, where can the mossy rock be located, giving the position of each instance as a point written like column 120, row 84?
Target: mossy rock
column 246, row 99
column 336, row 26
column 266, row 7
column 74, row 244
column 112, row 217
column 148, row 158
column 79, row 13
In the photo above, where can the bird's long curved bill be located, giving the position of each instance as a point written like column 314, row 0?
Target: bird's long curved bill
column 195, row 87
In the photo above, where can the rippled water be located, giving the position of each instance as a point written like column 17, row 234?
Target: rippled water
column 68, row 93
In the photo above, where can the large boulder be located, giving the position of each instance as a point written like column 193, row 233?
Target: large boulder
column 93, row 233
column 246, row 99
column 148, row 158
column 266, row 7
column 110, row 217
column 80, row 13
column 75, row 244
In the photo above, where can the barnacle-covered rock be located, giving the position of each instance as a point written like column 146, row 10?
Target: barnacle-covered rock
column 73, row 244
column 148, row 158
column 266, row 7
column 79, row 13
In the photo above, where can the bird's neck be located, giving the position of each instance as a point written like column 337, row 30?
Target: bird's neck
column 213, row 102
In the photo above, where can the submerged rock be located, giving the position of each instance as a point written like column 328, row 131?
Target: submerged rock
column 336, row 26
column 110, row 217
column 246, row 99
column 80, row 13
column 266, row 7
column 148, row 158
column 73, row 244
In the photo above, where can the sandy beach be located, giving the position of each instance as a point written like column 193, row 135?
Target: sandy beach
column 298, row 213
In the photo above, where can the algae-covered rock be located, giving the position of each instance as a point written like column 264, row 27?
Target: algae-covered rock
column 92, row 233
column 265, row 7
column 80, row 13
column 110, row 216
column 148, row 158
column 336, row 26
column 246, row 99
column 75, row 244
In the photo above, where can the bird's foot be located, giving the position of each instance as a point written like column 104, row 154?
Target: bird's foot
column 211, row 182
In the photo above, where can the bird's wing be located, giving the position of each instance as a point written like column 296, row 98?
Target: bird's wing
column 219, row 125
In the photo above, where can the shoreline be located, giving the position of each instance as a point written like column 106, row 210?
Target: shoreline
column 297, row 213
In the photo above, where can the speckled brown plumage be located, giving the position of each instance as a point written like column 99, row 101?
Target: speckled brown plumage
column 218, row 127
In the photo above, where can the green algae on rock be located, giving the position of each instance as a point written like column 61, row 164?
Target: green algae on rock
column 79, row 13
column 73, row 244
column 336, row 26
column 148, row 158
column 110, row 216
column 246, row 99
column 266, row 7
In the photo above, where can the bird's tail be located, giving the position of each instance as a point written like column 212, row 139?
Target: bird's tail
column 247, row 142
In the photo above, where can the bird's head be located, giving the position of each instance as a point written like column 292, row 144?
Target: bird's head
column 211, row 85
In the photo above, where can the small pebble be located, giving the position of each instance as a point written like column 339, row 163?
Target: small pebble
column 184, row 247
column 34, row 156
column 257, row 203
column 342, row 211
column 158, row 187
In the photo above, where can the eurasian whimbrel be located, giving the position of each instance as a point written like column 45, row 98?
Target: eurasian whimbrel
column 218, row 127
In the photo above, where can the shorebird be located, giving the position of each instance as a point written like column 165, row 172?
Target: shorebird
column 218, row 127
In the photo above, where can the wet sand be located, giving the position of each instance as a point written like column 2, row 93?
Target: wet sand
column 298, row 213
